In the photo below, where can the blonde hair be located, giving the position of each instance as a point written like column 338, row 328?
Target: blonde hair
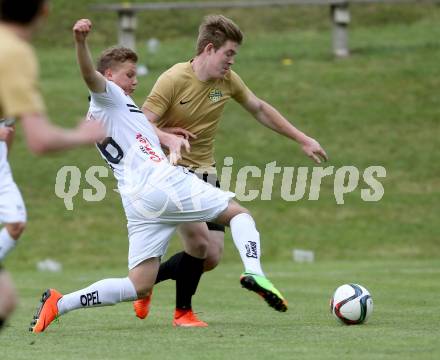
column 112, row 57
column 217, row 29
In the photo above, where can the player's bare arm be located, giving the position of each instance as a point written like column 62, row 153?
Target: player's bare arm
column 172, row 138
column 42, row 136
column 94, row 80
column 267, row 115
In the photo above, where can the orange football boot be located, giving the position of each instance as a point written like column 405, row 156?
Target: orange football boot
column 142, row 307
column 186, row 318
column 46, row 312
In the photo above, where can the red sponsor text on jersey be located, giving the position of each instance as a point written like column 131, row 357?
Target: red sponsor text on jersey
column 146, row 148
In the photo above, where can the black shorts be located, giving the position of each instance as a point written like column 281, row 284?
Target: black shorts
column 212, row 179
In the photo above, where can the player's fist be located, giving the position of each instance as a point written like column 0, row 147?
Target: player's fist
column 6, row 133
column 81, row 29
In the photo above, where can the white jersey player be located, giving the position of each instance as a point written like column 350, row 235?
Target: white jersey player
column 156, row 196
column 12, row 208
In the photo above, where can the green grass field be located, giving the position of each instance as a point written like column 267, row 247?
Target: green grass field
column 381, row 107
column 404, row 324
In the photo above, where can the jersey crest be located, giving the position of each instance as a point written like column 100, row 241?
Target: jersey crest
column 215, row 95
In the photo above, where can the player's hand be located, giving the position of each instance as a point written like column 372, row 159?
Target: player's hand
column 175, row 144
column 179, row 132
column 313, row 150
column 5, row 133
column 90, row 132
column 81, row 29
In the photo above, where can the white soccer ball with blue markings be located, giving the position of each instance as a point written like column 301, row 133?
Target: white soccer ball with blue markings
column 351, row 304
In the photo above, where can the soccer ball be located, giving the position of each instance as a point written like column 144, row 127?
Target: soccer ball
column 351, row 304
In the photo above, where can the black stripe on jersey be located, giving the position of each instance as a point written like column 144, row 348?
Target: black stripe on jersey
column 134, row 108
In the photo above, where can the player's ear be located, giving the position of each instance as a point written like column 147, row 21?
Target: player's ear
column 209, row 48
column 108, row 73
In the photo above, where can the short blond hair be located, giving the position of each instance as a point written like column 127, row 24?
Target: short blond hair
column 112, row 57
column 217, row 29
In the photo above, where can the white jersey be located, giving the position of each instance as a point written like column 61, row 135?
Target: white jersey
column 5, row 169
column 131, row 148
column 12, row 208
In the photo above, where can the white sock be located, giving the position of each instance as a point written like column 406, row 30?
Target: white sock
column 247, row 241
column 102, row 293
column 7, row 243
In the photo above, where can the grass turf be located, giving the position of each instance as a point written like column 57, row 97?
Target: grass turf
column 404, row 323
column 379, row 107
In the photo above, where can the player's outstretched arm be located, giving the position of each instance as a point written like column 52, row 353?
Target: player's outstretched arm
column 42, row 136
column 270, row 117
column 95, row 81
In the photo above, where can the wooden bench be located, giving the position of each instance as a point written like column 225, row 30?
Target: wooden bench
column 339, row 10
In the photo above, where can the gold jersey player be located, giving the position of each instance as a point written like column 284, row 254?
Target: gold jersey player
column 20, row 100
column 192, row 96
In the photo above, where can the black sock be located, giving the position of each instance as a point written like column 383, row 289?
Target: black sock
column 2, row 322
column 189, row 272
column 186, row 270
column 169, row 269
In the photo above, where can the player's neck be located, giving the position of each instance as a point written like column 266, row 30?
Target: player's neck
column 200, row 69
column 23, row 32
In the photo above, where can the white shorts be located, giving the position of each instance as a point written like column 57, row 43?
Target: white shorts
column 12, row 207
column 153, row 216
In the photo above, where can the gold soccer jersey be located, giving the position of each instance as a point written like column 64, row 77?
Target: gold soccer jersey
column 182, row 100
column 19, row 93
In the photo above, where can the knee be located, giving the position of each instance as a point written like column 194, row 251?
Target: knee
column 201, row 247
column 15, row 229
column 239, row 209
column 235, row 210
column 243, row 210
column 211, row 262
column 198, row 246
column 214, row 256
